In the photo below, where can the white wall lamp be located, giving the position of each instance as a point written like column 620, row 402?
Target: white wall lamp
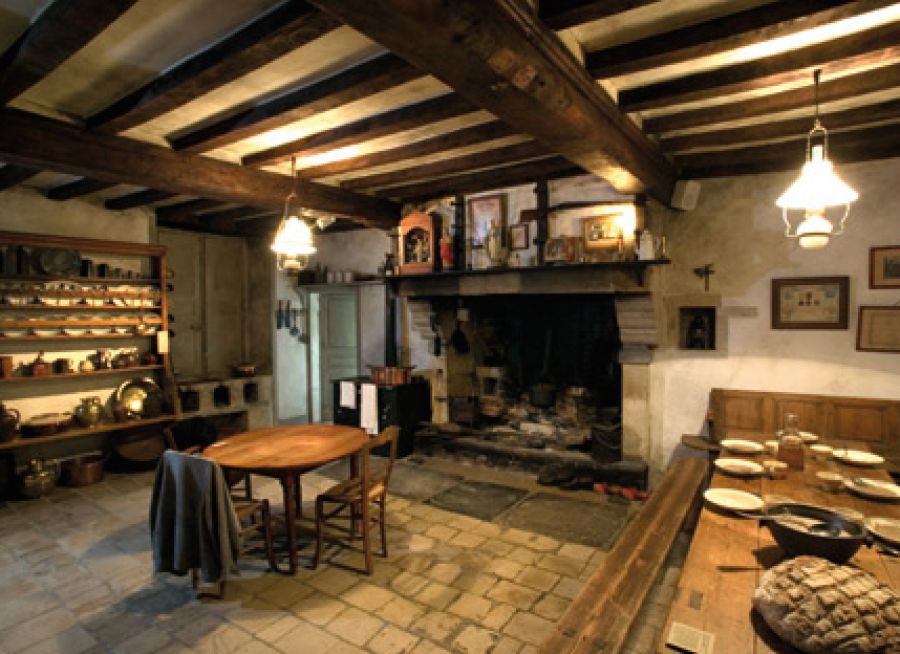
column 293, row 242
column 816, row 190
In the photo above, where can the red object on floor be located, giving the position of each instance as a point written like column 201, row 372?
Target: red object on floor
column 627, row 492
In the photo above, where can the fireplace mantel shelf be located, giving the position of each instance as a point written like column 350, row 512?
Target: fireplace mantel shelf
column 637, row 268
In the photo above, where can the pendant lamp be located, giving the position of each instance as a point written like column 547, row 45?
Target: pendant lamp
column 293, row 241
column 817, row 190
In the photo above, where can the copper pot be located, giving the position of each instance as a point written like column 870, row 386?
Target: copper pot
column 391, row 375
column 83, row 470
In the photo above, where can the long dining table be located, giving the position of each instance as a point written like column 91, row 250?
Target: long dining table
column 284, row 453
column 728, row 555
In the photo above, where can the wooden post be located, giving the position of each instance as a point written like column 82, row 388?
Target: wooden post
column 459, row 232
column 543, row 208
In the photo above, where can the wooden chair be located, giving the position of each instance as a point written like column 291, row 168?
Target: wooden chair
column 234, row 477
column 352, row 501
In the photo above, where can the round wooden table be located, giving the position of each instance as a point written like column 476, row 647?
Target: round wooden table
column 284, row 453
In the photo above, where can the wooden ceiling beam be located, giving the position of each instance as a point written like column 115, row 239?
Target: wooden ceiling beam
column 484, row 180
column 846, row 53
column 77, row 189
column 275, row 34
column 756, row 25
column 468, row 162
column 843, row 148
column 137, row 199
column 379, row 74
column 460, row 138
column 230, row 219
column 560, row 14
column 795, row 127
column 33, row 141
column 501, row 57
column 181, row 210
column 62, row 29
column 391, row 122
column 849, row 86
column 12, row 175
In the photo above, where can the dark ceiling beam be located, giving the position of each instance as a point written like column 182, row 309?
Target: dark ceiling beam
column 62, row 29
column 174, row 212
column 795, row 127
column 469, row 162
column 277, row 33
column 137, row 199
column 33, row 141
column 501, row 57
column 384, row 124
column 850, row 86
column 846, row 53
column 230, row 219
column 77, row 189
column 12, row 175
column 485, row 180
column 844, row 147
column 560, row 14
column 379, row 74
column 719, row 35
column 460, row 138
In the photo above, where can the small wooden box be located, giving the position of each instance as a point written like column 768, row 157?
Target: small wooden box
column 419, row 235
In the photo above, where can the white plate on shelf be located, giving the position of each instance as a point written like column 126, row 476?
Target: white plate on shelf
column 739, row 467
column 857, row 457
column 886, row 529
column 45, row 331
column 873, row 489
column 100, row 331
column 14, row 333
column 74, row 331
column 731, row 499
column 741, row 446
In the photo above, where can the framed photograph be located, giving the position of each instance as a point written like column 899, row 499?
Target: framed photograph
column 878, row 329
column 518, row 236
column 810, row 303
column 602, row 232
column 484, row 212
column 884, row 267
column 561, row 249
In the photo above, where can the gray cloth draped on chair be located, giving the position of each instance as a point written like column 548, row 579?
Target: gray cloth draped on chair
column 192, row 518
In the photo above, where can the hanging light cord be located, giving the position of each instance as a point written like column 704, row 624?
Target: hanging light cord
column 817, row 128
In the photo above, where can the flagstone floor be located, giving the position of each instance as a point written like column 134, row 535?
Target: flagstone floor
column 76, row 577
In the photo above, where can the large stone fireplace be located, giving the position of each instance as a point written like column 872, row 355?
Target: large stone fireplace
column 540, row 365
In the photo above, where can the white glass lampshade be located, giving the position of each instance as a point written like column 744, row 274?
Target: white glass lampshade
column 818, row 187
column 293, row 238
column 815, row 231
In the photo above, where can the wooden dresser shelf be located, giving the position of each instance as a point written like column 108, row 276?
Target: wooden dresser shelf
column 80, row 375
column 102, row 428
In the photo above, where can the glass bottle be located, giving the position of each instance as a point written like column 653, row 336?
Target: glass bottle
column 790, row 447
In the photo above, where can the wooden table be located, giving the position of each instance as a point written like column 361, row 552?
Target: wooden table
column 284, row 453
column 728, row 556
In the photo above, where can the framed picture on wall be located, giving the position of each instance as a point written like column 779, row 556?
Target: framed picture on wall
column 884, row 267
column 484, row 212
column 602, row 232
column 878, row 329
column 518, row 236
column 810, row 303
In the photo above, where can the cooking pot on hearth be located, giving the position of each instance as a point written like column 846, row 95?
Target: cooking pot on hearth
column 391, row 375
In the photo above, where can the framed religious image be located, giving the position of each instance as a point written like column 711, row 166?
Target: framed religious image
column 878, row 329
column 602, row 232
column 485, row 212
column 417, row 244
column 810, row 303
column 518, row 236
column 884, row 267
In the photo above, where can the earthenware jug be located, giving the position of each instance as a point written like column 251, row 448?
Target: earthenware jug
column 90, row 412
column 39, row 479
column 9, row 423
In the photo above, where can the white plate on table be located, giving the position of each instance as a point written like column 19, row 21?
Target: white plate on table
column 741, row 446
column 739, row 467
column 887, row 529
column 731, row 499
column 874, row 489
column 857, row 457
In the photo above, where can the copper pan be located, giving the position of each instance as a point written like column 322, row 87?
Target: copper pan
column 391, row 375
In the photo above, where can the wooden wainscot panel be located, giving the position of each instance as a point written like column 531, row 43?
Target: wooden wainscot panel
column 861, row 421
column 742, row 413
column 812, row 413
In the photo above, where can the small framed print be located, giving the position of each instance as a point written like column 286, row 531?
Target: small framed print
column 602, row 232
column 562, row 249
column 884, row 267
column 485, row 212
column 810, row 303
column 878, row 329
column 518, row 236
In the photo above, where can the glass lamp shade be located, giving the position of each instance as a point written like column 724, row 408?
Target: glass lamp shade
column 815, row 231
column 818, row 187
column 293, row 244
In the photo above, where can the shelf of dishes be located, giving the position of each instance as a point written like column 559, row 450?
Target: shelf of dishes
column 67, row 375
column 60, row 294
column 79, row 326
column 75, row 279
column 22, row 441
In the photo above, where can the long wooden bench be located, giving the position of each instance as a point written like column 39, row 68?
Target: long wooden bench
column 601, row 615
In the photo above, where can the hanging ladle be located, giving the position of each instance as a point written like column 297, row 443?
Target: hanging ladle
column 294, row 330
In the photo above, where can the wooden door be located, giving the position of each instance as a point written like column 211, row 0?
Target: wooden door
column 185, row 257
column 338, row 342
